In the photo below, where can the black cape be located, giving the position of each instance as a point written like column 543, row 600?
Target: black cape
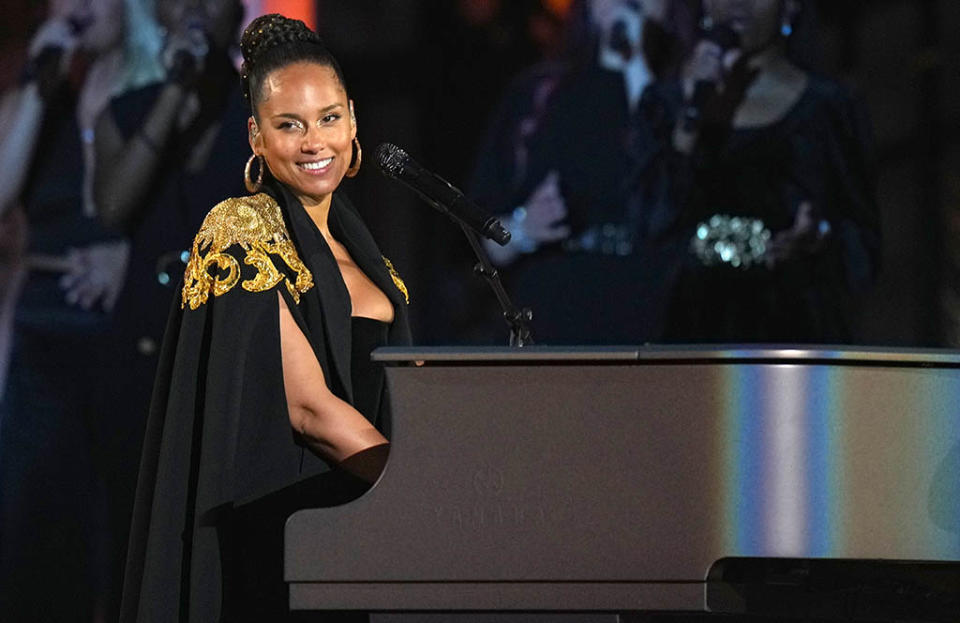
column 219, row 437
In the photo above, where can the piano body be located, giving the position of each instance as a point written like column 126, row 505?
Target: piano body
column 776, row 480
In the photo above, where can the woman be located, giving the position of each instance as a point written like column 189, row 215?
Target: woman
column 58, row 542
column 265, row 379
column 764, row 138
column 166, row 151
column 562, row 155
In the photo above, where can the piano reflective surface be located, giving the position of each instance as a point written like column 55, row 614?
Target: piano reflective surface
column 651, row 478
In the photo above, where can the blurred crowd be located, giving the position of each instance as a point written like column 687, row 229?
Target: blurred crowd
column 682, row 174
column 670, row 170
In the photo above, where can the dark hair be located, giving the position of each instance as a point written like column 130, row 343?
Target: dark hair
column 274, row 41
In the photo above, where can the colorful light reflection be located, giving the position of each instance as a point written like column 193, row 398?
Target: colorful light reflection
column 804, row 455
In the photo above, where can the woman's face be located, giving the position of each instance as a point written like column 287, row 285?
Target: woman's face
column 305, row 130
column 757, row 21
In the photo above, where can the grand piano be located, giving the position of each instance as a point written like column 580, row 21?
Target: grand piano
column 781, row 481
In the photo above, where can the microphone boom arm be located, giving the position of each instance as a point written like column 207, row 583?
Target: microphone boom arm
column 442, row 195
column 516, row 319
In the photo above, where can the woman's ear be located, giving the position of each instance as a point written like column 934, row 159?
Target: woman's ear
column 353, row 120
column 253, row 135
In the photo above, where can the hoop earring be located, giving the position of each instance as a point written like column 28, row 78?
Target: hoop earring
column 252, row 186
column 357, row 158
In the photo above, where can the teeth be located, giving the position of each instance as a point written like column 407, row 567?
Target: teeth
column 316, row 165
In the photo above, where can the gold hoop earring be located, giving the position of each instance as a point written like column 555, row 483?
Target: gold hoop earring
column 252, row 186
column 357, row 158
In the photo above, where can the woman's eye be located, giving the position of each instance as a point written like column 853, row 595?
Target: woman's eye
column 330, row 118
column 289, row 125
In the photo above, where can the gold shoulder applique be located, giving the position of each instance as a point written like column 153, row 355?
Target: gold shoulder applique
column 256, row 224
column 397, row 281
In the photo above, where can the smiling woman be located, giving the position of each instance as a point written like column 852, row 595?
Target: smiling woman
column 307, row 148
column 307, row 135
column 266, row 399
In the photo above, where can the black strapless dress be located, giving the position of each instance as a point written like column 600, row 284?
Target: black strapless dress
column 367, row 376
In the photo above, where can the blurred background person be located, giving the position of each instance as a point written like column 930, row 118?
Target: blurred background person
column 162, row 158
column 54, row 535
column 468, row 52
column 763, row 140
column 165, row 151
column 589, row 254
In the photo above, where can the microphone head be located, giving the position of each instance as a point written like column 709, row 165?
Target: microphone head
column 391, row 159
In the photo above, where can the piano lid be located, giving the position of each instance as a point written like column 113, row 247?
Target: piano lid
column 672, row 353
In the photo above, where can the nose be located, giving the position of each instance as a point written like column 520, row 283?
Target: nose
column 312, row 140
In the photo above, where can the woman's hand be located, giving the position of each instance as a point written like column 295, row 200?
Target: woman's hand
column 50, row 54
column 714, row 84
column 706, row 64
column 96, row 274
column 538, row 221
column 543, row 213
column 804, row 238
column 57, row 34
column 185, row 52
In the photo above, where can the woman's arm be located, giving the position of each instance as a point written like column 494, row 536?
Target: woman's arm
column 332, row 427
column 21, row 114
column 124, row 168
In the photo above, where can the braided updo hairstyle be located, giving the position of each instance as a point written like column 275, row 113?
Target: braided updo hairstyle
column 274, row 41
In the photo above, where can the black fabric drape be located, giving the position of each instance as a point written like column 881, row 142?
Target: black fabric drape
column 219, row 435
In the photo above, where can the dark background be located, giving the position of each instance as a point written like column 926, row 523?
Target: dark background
column 425, row 74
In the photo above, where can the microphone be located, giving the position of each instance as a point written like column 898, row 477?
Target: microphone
column 727, row 39
column 438, row 192
column 45, row 66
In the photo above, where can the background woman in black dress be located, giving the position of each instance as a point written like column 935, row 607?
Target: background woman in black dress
column 589, row 253
column 59, row 543
column 778, row 143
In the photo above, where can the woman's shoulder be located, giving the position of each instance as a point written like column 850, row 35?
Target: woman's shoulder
column 829, row 96
column 243, row 237
column 240, row 220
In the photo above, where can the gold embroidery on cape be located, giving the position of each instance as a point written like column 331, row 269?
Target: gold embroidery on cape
column 254, row 223
column 397, row 281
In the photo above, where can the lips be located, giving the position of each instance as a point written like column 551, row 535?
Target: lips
column 315, row 166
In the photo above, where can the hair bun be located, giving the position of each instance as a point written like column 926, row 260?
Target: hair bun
column 273, row 41
column 270, row 31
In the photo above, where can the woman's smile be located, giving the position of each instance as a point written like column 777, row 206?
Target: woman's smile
column 306, row 130
column 316, row 167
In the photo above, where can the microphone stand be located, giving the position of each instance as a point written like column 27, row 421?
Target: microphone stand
column 517, row 319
